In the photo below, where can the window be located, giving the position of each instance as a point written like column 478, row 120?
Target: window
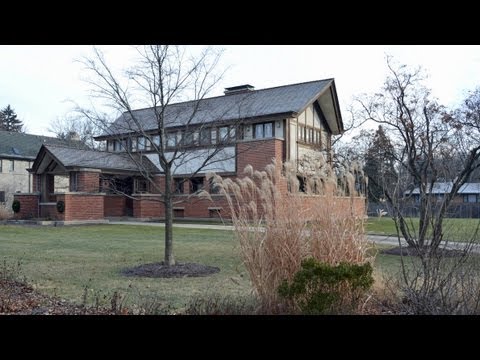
column 301, row 133
column 470, row 198
column 134, row 144
column 214, row 189
column 214, row 136
column 189, row 139
column 156, row 139
column 110, row 145
column 264, row 130
column 73, row 181
column 2, row 196
column 171, row 139
column 141, row 186
column 179, row 185
column 223, row 134
column 120, row 145
column 12, row 165
column 205, row 136
column 1, row 165
column 141, row 143
column 232, row 133
column 196, row 184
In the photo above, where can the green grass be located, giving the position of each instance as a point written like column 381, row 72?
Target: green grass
column 64, row 261
column 455, row 229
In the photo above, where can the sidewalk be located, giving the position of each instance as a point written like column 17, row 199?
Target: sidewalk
column 378, row 239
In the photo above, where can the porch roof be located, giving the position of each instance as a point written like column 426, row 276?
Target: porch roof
column 70, row 159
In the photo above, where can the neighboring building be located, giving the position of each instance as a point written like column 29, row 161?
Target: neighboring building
column 291, row 122
column 17, row 153
column 465, row 204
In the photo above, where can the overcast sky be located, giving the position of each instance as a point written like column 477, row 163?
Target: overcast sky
column 38, row 81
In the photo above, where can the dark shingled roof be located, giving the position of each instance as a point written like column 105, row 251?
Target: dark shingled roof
column 285, row 99
column 26, row 146
column 93, row 159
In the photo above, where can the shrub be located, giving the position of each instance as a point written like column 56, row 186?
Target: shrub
column 319, row 288
column 16, row 206
column 60, row 206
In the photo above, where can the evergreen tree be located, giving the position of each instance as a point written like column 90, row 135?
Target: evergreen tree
column 379, row 165
column 9, row 121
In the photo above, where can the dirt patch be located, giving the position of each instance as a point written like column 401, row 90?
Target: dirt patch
column 411, row 251
column 160, row 270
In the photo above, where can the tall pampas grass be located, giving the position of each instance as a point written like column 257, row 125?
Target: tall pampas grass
column 277, row 231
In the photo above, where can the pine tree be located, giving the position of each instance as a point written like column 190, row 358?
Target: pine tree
column 379, row 166
column 9, row 121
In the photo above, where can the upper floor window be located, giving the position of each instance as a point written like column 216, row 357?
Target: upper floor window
column 264, row 130
column 1, row 165
column 171, row 139
column 205, row 136
column 141, row 141
column 12, row 165
column 2, row 196
column 470, row 198
column 156, row 140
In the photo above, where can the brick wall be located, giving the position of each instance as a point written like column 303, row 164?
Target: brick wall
column 147, row 207
column 82, row 206
column 49, row 211
column 259, row 154
column 88, row 181
column 28, row 206
column 114, row 205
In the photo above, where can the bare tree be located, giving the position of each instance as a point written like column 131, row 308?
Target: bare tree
column 76, row 128
column 163, row 76
column 427, row 140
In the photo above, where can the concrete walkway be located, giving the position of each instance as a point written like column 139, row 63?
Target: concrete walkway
column 378, row 239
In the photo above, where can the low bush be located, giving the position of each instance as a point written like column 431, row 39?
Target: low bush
column 320, row 288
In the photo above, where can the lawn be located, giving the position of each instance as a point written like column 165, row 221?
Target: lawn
column 65, row 261
column 455, row 229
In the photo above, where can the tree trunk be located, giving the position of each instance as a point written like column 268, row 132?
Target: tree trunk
column 169, row 259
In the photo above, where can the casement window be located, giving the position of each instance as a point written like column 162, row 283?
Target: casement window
column 196, row 184
column 205, row 136
column 263, row 130
column 12, row 165
column 120, row 145
column 110, row 145
column 156, row 140
column 178, row 182
column 141, row 185
column 223, row 134
column 73, row 181
column 470, row 198
column 2, row 196
column 171, row 140
column 141, row 141
column 214, row 189
column 214, row 136
column 134, row 144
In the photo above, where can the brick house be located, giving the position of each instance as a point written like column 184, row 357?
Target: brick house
column 244, row 126
column 17, row 153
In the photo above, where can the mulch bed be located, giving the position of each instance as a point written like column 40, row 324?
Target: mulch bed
column 17, row 298
column 411, row 251
column 160, row 270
